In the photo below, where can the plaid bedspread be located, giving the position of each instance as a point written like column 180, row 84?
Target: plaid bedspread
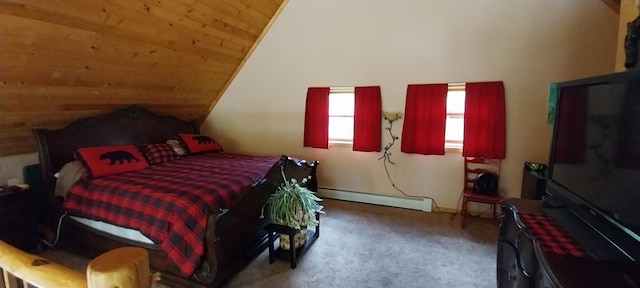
column 170, row 202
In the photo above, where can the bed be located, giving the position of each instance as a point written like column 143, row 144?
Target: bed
column 229, row 229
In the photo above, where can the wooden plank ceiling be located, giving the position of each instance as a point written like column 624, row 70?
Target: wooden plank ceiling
column 61, row 60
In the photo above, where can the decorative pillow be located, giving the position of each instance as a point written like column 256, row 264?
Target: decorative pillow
column 158, row 153
column 109, row 160
column 199, row 143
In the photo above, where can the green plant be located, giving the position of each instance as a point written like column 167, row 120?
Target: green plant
column 293, row 205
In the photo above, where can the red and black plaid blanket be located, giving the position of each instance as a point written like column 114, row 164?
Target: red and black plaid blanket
column 170, row 202
column 551, row 236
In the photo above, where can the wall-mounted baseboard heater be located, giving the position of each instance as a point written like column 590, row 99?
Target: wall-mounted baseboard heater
column 415, row 203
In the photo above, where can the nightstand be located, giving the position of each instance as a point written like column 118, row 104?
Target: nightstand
column 17, row 225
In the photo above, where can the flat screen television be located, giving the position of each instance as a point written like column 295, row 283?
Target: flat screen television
column 595, row 150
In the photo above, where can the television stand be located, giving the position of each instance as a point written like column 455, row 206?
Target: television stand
column 530, row 253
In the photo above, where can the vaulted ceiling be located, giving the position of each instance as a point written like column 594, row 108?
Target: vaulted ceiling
column 61, row 60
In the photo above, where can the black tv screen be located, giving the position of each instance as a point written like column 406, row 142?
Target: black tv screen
column 595, row 152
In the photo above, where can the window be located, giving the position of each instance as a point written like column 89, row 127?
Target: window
column 454, row 131
column 341, row 112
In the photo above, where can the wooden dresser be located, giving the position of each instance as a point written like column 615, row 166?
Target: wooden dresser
column 534, row 251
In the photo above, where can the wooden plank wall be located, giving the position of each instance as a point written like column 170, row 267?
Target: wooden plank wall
column 65, row 59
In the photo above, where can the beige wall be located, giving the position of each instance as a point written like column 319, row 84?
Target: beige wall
column 11, row 166
column 526, row 44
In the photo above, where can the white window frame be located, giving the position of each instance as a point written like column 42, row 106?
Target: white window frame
column 337, row 92
column 452, row 145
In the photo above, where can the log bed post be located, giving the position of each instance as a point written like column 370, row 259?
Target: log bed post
column 126, row 267
column 18, row 266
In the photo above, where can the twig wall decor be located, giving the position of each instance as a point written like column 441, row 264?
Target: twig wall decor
column 390, row 117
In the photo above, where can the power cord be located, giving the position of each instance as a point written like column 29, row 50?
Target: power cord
column 57, row 232
column 405, row 194
column 453, row 216
column 386, row 157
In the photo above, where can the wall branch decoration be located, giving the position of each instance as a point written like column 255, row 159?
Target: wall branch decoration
column 386, row 156
column 390, row 117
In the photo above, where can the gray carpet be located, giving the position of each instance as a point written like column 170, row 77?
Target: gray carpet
column 364, row 245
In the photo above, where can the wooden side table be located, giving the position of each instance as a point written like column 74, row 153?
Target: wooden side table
column 291, row 254
column 17, row 224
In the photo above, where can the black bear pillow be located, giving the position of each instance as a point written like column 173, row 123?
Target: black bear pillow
column 109, row 160
column 196, row 143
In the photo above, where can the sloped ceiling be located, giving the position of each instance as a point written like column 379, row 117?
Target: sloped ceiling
column 613, row 4
column 61, row 60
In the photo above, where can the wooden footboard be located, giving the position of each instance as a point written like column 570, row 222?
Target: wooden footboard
column 236, row 236
column 21, row 269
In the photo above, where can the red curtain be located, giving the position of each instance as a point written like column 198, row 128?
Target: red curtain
column 367, row 119
column 316, row 118
column 484, row 120
column 424, row 119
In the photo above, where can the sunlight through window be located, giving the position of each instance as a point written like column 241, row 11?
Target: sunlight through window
column 454, row 130
column 341, row 111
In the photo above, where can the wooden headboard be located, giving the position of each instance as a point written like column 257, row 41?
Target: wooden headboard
column 128, row 125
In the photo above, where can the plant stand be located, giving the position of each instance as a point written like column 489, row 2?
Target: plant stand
column 291, row 255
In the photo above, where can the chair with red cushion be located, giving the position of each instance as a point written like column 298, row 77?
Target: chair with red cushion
column 472, row 167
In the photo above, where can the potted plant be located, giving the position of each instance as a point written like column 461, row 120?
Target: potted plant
column 294, row 206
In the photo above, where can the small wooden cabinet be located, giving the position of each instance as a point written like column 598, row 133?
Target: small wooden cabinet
column 17, row 225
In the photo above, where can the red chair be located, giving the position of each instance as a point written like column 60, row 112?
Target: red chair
column 472, row 167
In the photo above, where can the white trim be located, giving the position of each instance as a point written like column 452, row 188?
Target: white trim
column 342, row 89
column 340, row 143
column 415, row 203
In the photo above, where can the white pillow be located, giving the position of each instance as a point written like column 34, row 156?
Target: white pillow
column 67, row 176
column 177, row 147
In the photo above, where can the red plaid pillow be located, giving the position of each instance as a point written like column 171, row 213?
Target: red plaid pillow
column 199, row 143
column 109, row 160
column 158, row 153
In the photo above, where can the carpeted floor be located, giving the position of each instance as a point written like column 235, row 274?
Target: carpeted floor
column 364, row 245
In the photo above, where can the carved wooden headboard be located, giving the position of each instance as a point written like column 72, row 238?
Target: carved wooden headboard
column 128, row 125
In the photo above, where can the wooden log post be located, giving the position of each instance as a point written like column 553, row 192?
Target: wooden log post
column 38, row 271
column 126, row 267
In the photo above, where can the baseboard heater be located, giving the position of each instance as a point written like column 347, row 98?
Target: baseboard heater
column 415, row 203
